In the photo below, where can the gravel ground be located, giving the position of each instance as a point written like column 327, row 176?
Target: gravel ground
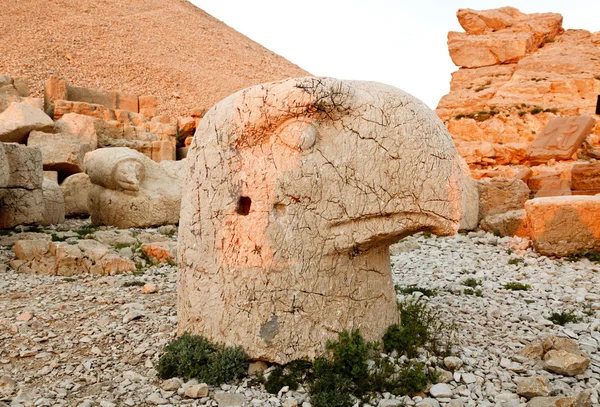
column 95, row 341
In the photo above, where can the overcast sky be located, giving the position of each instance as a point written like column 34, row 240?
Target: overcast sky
column 399, row 42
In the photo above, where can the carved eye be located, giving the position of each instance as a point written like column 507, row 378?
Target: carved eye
column 298, row 134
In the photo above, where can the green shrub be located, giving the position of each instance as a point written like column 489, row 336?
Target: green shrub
column 517, row 286
column 591, row 255
column 290, row 375
column 515, row 261
column 428, row 292
column 193, row 356
column 536, row 110
column 83, row 232
column 470, row 291
column 564, row 317
column 134, row 283
column 420, row 327
column 471, row 282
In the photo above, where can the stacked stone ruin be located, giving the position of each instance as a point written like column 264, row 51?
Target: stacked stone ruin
column 45, row 142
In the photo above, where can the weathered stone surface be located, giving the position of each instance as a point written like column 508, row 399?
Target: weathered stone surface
column 560, row 139
column 534, row 386
column 186, row 128
column 160, row 252
column 54, row 89
column 563, row 225
column 473, row 51
column 148, row 106
column 54, row 203
column 580, row 399
column 565, row 363
column 24, row 165
column 19, row 120
column 63, row 107
column 229, row 399
column 65, row 259
column 470, row 200
column 60, row 152
column 76, row 190
column 4, row 168
column 549, row 185
column 130, row 190
column 485, row 21
column 511, row 223
column 585, row 178
column 20, row 206
column 78, row 126
column 163, row 151
column 286, row 223
column 500, row 195
column 51, row 175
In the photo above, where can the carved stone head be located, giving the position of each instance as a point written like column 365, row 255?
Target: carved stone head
column 294, row 192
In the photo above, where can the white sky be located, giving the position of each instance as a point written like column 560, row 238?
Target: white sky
column 399, row 42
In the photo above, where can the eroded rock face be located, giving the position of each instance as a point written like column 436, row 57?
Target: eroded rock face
column 130, row 190
column 76, row 189
column 294, row 192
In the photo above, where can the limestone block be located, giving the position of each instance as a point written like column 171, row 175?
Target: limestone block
column 186, row 128
column 563, row 225
column 511, row 223
column 130, row 190
column 20, row 206
column 25, row 166
column 534, row 386
column 62, row 107
column 54, row 203
column 51, row 175
column 294, row 192
column 13, row 86
column 560, row 139
column 473, row 51
column 548, row 185
column 19, row 120
column 470, row 200
column 578, row 399
column 60, row 152
column 78, row 126
column 4, row 168
column 565, row 363
column 76, row 189
column 163, row 151
column 55, row 89
column 110, row 99
column 585, row 178
column 148, row 106
column 499, row 195
column 482, row 21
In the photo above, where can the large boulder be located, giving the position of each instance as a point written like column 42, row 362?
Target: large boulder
column 130, row 190
column 79, row 126
column 19, row 120
column 20, row 206
column 294, row 192
column 76, row 190
column 60, row 152
column 500, row 195
column 563, row 225
column 25, row 166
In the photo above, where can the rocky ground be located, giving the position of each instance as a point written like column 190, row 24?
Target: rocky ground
column 94, row 340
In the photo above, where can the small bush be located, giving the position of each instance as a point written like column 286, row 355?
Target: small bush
column 470, row 291
column 516, row 261
column 564, row 317
column 194, row 357
column 290, row 375
column 522, row 113
column 420, row 327
column 428, row 292
column 471, row 282
column 83, row 232
column 517, row 286
column 536, row 110
column 591, row 255
column 134, row 283
column 426, row 235
column 57, row 238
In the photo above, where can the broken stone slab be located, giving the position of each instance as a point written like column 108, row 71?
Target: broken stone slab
column 76, row 190
column 24, row 166
column 229, row 399
column 585, row 178
column 563, row 225
column 148, row 106
column 511, row 223
column 500, row 195
column 288, row 220
column 474, row 51
column 62, row 107
column 60, row 152
column 54, row 203
column 549, row 185
column 19, row 120
column 560, row 139
column 20, row 206
column 80, row 127
column 534, row 386
column 163, row 151
column 565, row 363
column 130, row 190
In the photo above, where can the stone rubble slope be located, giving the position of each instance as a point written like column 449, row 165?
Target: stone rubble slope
column 95, row 340
column 167, row 48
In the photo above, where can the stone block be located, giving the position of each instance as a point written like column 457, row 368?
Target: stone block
column 148, row 106
column 548, row 185
column 54, row 203
column 511, row 223
column 20, row 206
column 60, row 152
column 499, row 195
column 51, row 175
column 163, row 150
column 4, row 168
column 559, row 226
column 62, row 107
column 560, row 139
column 473, row 51
column 19, row 120
column 25, row 166
column 79, row 126
column 76, row 189
column 585, row 178
column 55, row 89
column 186, row 128
column 110, row 99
